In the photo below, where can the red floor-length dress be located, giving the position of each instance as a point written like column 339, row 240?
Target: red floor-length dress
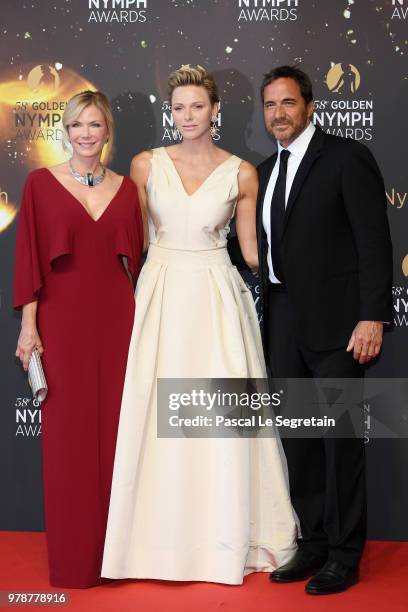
column 74, row 267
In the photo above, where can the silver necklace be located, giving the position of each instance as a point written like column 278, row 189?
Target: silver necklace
column 89, row 180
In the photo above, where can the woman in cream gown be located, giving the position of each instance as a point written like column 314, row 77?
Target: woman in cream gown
column 205, row 509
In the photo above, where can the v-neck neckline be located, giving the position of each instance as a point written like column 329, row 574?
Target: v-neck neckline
column 190, row 195
column 82, row 205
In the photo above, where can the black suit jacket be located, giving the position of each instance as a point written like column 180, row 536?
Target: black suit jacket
column 336, row 245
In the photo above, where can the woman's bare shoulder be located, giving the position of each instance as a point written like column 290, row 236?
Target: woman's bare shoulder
column 142, row 159
column 247, row 170
column 140, row 166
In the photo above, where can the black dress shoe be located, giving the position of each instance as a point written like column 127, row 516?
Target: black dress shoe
column 334, row 577
column 302, row 566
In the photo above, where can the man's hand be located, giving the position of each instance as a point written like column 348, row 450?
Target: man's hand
column 366, row 340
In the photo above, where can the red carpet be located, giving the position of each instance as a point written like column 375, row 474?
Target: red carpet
column 383, row 586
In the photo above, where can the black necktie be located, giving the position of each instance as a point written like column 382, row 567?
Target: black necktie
column 278, row 215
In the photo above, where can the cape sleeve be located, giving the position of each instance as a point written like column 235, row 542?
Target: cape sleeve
column 136, row 241
column 27, row 270
column 129, row 238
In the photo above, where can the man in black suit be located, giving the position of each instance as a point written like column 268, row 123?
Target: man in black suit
column 325, row 262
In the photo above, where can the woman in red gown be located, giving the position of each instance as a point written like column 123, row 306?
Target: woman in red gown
column 79, row 236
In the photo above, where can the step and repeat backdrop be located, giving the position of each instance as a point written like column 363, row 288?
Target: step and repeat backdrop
column 355, row 52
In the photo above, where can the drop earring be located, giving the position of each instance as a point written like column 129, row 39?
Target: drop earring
column 214, row 128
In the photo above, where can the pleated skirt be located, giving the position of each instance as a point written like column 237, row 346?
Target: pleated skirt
column 193, row 509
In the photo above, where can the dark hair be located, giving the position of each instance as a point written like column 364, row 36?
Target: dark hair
column 290, row 72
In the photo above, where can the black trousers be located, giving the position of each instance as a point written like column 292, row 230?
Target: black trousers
column 326, row 475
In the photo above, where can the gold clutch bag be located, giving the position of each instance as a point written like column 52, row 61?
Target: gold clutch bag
column 36, row 377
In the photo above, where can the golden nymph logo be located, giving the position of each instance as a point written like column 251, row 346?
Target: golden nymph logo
column 343, row 79
column 117, row 11
column 31, row 113
column 405, row 266
column 342, row 114
column 267, row 10
column 44, row 77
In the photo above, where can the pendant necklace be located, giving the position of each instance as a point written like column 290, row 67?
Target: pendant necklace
column 89, row 180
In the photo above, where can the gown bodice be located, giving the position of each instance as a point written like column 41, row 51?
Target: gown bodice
column 199, row 221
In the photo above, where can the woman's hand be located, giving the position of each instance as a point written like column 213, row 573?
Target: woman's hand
column 28, row 341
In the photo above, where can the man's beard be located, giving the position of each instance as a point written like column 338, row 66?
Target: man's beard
column 272, row 126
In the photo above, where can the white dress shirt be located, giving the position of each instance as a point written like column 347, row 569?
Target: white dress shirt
column 297, row 150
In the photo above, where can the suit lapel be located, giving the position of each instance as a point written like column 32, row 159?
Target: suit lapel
column 313, row 152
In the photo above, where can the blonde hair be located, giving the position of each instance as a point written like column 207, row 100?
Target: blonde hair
column 186, row 75
column 76, row 105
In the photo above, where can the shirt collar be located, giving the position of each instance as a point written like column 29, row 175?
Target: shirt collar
column 299, row 145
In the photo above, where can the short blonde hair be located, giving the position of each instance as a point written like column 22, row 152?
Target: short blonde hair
column 76, row 105
column 186, row 75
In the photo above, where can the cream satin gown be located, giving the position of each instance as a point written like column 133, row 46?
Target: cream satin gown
column 193, row 509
